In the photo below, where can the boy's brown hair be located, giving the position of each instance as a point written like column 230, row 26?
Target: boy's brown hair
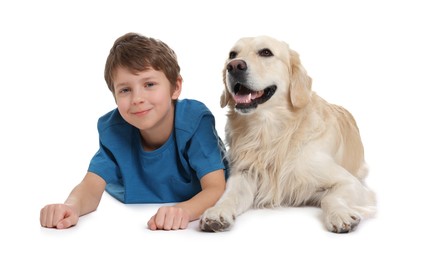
column 138, row 53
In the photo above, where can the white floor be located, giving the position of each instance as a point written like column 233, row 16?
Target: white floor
column 364, row 55
column 119, row 231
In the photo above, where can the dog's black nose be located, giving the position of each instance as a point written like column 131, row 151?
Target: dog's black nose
column 236, row 66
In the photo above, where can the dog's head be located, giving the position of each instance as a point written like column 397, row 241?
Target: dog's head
column 262, row 70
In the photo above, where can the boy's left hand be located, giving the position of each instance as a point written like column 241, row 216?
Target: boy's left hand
column 169, row 218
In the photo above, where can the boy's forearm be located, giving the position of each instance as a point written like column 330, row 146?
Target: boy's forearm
column 81, row 201
column 85, row 197
column 202, row 201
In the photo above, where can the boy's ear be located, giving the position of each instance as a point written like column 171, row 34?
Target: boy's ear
column 177, row 88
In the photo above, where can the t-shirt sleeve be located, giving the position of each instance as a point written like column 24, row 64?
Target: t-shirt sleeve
column 110, row 129
column 104, row 165
column 206, row 150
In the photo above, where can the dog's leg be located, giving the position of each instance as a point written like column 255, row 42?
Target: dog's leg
column 238, row 197
column 346, row 202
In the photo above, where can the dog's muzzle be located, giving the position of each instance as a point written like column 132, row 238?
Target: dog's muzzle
column 246, row 97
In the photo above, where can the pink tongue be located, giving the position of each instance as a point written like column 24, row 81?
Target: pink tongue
column 245, row 99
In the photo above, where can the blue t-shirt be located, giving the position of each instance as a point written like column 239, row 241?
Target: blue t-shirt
column 171, row 173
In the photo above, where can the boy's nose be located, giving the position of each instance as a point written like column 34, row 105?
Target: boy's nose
column 138, row 96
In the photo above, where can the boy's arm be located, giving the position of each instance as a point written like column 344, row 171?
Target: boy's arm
column 83, row 199
column 179, row 215
column 213, row 185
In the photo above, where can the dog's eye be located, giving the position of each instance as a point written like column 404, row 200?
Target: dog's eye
column 232, row 55
column 265, row 53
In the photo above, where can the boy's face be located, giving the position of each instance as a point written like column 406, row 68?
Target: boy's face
column 145, row 99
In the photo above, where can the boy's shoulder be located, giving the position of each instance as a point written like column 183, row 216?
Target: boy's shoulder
column 189, row 114
column 191, row 107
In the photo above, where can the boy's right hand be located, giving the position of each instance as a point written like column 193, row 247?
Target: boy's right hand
column 58, row 216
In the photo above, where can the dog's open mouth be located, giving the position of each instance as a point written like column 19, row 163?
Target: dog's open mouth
column 246, row 99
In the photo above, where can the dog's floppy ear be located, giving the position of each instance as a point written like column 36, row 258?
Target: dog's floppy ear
column 225, row 98
column 226, row 95
column 300, row 85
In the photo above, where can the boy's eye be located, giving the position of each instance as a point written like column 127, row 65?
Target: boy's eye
column 149, row 84
column 123, row 90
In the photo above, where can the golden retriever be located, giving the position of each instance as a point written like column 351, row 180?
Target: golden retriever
column 286, row 145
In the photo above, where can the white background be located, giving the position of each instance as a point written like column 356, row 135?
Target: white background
column 364, row 55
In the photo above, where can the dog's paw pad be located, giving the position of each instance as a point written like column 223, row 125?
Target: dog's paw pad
column 343, row 224
column 212, row 225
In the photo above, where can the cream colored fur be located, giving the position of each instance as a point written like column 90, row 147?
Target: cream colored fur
column 295, row 149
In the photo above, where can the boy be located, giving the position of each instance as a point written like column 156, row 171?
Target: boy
column 154, row 148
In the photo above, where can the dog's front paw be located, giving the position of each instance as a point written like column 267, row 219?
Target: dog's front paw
column 342, row 222
column 216, row 220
